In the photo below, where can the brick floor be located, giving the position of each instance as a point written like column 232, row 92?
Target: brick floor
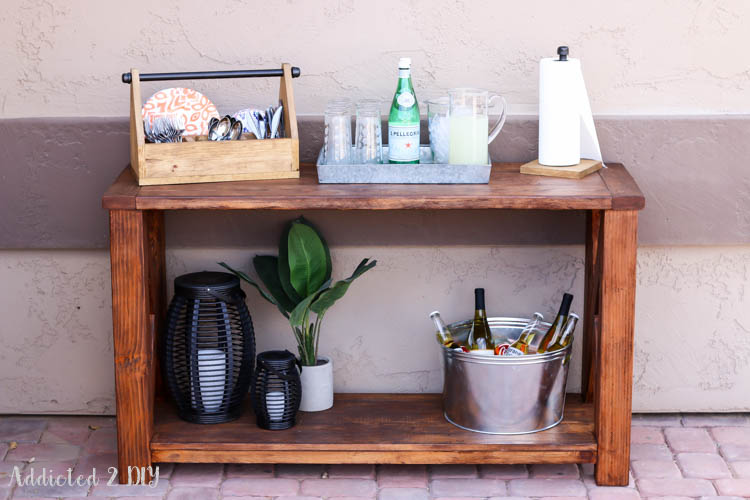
column 674, row 457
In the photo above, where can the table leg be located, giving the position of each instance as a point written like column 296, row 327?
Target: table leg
column 613, row 392
column 133, row 338
column 157, row 285
column 592, row 282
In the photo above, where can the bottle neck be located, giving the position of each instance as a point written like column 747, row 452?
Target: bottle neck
column 439, row 324
column 479, row 299
column 567, row 334
column 404, row 80
column 565, row 306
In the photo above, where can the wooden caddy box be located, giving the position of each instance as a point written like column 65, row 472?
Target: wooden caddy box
column 197, row 159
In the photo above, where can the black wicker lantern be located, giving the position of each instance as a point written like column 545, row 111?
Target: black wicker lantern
column 277, row 390
column 209, row 349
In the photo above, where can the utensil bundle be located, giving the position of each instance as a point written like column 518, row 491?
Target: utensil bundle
column 263, row 123
column 226, row 129
column 168, row 128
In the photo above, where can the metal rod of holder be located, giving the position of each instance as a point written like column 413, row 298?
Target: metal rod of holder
column 204, row 75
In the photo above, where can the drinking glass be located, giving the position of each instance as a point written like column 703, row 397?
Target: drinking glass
column 438, row 124
column 469, row 111
column 337, row 145
column 369, row 137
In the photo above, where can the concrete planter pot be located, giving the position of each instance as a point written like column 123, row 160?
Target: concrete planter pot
column 317, row 386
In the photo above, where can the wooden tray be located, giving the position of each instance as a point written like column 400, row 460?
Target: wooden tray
column 197, row 159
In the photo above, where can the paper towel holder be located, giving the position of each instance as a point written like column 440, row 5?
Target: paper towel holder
column 562, row 51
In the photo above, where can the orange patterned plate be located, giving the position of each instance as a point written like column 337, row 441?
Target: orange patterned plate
column 191, row 106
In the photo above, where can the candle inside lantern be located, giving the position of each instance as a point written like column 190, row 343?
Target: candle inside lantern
column 275, row 405
column 212, row 365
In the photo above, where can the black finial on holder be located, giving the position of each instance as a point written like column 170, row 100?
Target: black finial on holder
column 562, row 51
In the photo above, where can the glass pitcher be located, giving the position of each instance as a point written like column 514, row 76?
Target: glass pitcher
column 469, row 123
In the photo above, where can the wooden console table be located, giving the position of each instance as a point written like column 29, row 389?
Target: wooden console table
column 378, row 428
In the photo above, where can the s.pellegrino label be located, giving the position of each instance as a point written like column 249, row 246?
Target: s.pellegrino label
column 403, row 120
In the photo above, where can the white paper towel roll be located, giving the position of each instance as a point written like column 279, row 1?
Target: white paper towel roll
column 566, row 126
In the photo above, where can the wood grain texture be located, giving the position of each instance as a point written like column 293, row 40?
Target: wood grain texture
column 372, row 428
column 137, row 134
column 198, row 160
column 539, row 456
column 214, row 161
column 157, row 284
column 584, row 168
column 614, row 384
column 133, row 338
column 286, row 95
column 626, row 195
column 592, row 280
column 122, row 193
column 508, row 189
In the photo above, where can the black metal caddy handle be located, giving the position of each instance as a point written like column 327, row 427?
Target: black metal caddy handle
column 208, row 75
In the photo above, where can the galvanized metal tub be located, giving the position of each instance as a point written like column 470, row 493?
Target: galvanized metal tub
column 504, row 394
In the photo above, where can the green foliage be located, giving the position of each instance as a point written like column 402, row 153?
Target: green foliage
column 298, row 283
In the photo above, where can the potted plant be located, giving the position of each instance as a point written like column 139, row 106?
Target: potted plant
column 298, row 282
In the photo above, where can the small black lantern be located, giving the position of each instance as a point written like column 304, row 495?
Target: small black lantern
column 277, row 390
column 209, row 349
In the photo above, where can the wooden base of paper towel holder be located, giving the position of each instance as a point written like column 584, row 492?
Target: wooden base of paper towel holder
column 579, row 171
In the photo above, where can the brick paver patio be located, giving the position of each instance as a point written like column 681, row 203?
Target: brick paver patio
column 673, row 457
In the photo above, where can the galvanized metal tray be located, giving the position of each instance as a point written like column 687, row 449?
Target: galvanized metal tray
column 426, row 172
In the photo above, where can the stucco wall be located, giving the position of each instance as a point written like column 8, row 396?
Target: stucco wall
column 653, row 58
column 692, row 320
column 641, row 56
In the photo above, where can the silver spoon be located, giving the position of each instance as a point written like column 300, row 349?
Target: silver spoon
column 236, row 131
column 220, row 129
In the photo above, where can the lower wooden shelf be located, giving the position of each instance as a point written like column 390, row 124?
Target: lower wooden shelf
column 373, row 429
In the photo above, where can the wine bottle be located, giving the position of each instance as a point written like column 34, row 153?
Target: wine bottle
column 567, row 334
column 557, row 325
column 443, row 333
column 480, row 336
column 521, row 345
column 403, row 120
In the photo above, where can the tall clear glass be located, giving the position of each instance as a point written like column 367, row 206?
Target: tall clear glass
column 469, row 112
column 438, row 124
column 337, row 142
column 369, row 136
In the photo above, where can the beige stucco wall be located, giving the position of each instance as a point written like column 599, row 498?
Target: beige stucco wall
column 692, row 327
column 64, row 58
column 648, row 57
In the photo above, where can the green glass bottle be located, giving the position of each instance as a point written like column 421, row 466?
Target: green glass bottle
column 403, row 120
column 480, row 336
column 557, row 325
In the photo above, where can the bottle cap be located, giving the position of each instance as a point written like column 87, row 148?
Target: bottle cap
column 479, row 298
column 404, row 63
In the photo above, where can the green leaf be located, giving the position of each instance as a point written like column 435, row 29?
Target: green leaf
column 329, row 264
column 307, row 259
column 297, row 317
column 283, row 266
column 267, row 267
column 262, row 292
column 329, row 297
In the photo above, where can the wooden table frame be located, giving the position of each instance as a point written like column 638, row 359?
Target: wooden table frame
column 611, row 200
